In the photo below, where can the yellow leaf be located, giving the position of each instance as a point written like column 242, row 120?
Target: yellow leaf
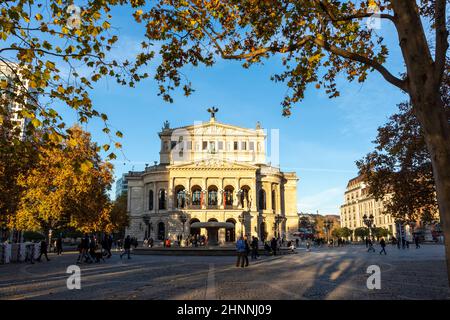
column 38, row 17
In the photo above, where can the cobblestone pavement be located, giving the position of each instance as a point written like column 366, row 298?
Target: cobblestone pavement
column 324, row 273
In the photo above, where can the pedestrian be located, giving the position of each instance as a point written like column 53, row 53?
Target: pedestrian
column 273, row 245
column 126, row 247
column 297, row 242
column 416, row 240
column 254, row 246
column 247, row 250
column 240, row 250
column 383, row 246
column 43, row 251
column 59, row 248
column 150, row 242
column 370, row 244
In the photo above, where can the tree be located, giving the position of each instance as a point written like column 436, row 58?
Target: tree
column 399, row 171
column 43, row 49
column 119, row 215
column 379, row 232
column 318, row 39
column 361, row 232
column 67, row 188
column 346, row 232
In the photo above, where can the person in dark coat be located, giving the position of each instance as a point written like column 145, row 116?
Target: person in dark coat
column 383, row 246
column 44, row 248
column 273, row 245
column 59, row 248
column 247, row 250
column 254, row 246
column 126, row 247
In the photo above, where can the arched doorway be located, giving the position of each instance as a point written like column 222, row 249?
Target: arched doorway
column 213, row 234
column 195, row 232
column 161, row 231
column 230, row 235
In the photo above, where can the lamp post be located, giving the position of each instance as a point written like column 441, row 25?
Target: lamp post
column 368, row 221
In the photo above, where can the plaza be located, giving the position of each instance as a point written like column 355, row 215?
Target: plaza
column 323, row 273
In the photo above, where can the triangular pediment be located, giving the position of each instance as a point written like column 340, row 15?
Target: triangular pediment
column 213, row 163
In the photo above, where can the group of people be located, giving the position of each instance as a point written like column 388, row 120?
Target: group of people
column 246, row 247
column 92, row 249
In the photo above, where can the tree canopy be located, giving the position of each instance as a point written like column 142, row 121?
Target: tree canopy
column 66, row 188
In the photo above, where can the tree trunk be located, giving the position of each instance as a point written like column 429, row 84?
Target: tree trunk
column 434, row 121
column 424, row 90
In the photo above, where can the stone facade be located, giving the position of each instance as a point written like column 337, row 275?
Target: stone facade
column 212, row 172
column 358, row 202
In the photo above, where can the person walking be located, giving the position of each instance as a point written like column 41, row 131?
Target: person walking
column 273, row 245
column 126, row 247
column 59, row 248
column 44, row 248
column 370, row 244
column 240, row 250
column 254, row 246
column 383, row 246
column 247, row 250
column 417, row 242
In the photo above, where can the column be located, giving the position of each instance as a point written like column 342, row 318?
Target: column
column 268, row 188
column 155, row 197
column 222, row 195
column 170, row 194
column 205, row 193
column 253, row 197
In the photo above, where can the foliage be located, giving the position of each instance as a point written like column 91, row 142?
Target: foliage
column 33, row 236
column 66, row 188
column 342, row 232
column 379, row 232
column 361, row 232
column 119, row 215
column 399, row 170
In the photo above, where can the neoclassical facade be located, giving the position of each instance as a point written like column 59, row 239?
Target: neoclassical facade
column 358, row 202
column 212, row 172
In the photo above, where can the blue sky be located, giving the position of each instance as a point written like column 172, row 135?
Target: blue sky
column 320, row 141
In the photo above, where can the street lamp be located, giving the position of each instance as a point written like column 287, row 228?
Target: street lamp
column 368, row 221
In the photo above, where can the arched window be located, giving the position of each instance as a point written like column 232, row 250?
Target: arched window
column 180, row 197
column 150, row 200
column 228, row 194
column 196, row 195
column 212, row 196
column 162, row 199
column 274, row 197
column 262, row 199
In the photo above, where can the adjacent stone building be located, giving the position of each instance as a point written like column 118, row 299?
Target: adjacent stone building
column 358, row 202
column 212, row 172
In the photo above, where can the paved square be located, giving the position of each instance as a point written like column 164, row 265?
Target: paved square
column 324, row 273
